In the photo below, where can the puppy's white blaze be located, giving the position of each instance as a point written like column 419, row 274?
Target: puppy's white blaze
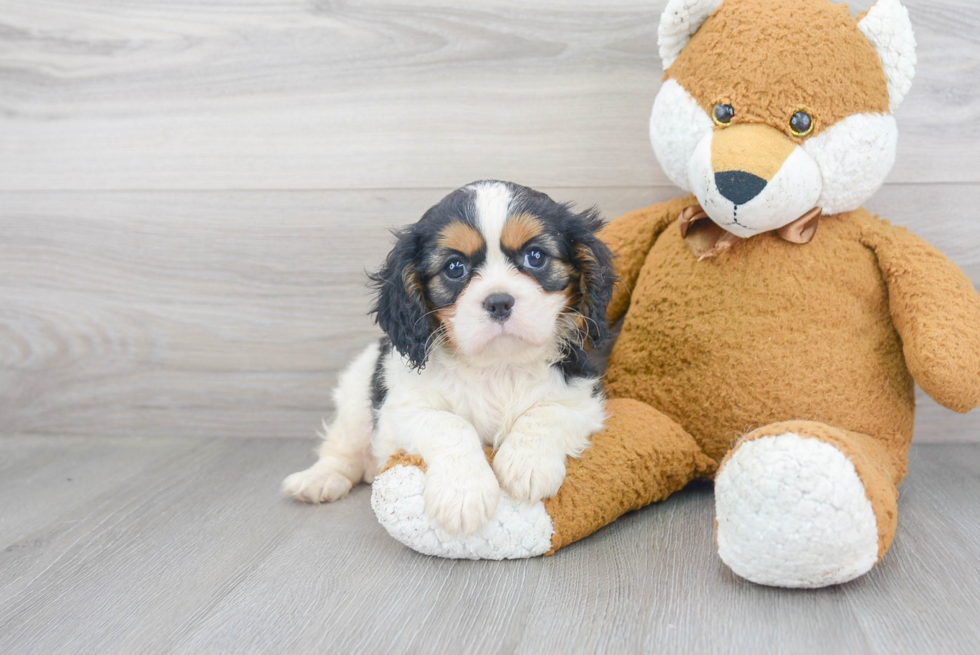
column 792, row 192
column 677, row 126
column 854, row 156
column 532, row 321
column 492, row 209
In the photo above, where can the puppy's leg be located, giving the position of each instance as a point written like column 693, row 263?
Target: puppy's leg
column 345, row 454
column 530, row 463
column 461, row 492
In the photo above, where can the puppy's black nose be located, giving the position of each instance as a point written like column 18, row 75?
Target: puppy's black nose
column 738, row 186
column 499, row 305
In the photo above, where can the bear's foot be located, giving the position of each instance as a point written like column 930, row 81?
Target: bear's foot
column 792, row 511
column 516, row 530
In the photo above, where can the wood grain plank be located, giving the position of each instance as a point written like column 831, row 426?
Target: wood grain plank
column 938, row 524
column 652, row 583
column 230, row 313
column 292, row 94
column 55, row 480
column 150, row 553
column 202, row 555
column 377, row 597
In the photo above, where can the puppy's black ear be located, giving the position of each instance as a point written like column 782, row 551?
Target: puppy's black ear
column 399, row 306
column 594, row 263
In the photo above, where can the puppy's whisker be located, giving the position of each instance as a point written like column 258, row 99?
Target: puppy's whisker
column 585, row 318
column 572, row 330
column 588, row 319
column 436, row 339
column 428, row 314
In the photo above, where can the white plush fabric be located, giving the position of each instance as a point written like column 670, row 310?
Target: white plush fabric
column 517, row 530
column 792, row 512
column 889, row 30
column 680, row 20
column 854, row 156
column 677, row 126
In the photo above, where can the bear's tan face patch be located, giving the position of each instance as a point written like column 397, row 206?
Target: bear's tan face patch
column 752, row 148
column 770, row 59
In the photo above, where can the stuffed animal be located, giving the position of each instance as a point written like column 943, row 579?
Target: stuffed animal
column 772, row 327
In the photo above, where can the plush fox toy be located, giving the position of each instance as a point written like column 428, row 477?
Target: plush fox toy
column 772, row 327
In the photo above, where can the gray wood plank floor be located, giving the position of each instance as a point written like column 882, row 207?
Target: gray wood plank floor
column 162, row 545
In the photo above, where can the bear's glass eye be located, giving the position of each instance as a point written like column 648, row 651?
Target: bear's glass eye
column 455, row 269
column 534, row 258
column 801, row 124
column 723, row 114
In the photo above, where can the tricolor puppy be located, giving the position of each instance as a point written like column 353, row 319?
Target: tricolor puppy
column 489, row 304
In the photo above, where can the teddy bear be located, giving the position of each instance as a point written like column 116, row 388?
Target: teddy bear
column 772, row 328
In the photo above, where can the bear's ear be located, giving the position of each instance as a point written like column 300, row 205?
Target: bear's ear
column 888, row 28
column 680, row 20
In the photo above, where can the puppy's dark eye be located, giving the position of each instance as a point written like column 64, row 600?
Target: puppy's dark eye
column 801, row 124
column 455, row 270
column 534, row 258
column 723, row 114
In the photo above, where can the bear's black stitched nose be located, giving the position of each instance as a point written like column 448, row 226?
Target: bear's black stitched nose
column 738, row 186
column 499, row 305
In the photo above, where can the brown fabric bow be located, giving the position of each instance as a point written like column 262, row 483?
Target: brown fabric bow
column 706, row 239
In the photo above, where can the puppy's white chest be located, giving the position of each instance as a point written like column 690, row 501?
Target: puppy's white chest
column 491, row 400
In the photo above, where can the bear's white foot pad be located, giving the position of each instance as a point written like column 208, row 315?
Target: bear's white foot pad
column 517, row 530
column 792, row 512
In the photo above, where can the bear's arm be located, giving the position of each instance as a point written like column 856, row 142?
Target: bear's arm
column 630, row 237
column 936, row 311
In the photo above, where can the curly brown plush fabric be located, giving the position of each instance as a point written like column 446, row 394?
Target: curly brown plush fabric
column 641, row 457
column 826, row 67
column 933, row 306
column 765, row 332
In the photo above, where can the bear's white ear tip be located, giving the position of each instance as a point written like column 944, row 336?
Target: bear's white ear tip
column 680, row 20
column 888, row 27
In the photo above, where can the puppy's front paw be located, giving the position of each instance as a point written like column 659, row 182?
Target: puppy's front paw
column 316, row 485
column 526, row 473
column 461, row 498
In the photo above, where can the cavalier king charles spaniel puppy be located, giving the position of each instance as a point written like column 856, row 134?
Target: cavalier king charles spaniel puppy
column 488, row 304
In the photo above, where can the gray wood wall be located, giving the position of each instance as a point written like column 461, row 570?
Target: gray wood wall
column 191, row 191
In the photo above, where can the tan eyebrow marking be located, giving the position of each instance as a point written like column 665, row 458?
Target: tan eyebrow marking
column 461, row 237
column 519, row 229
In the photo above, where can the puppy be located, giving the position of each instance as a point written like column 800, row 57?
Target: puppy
column 488, row 305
